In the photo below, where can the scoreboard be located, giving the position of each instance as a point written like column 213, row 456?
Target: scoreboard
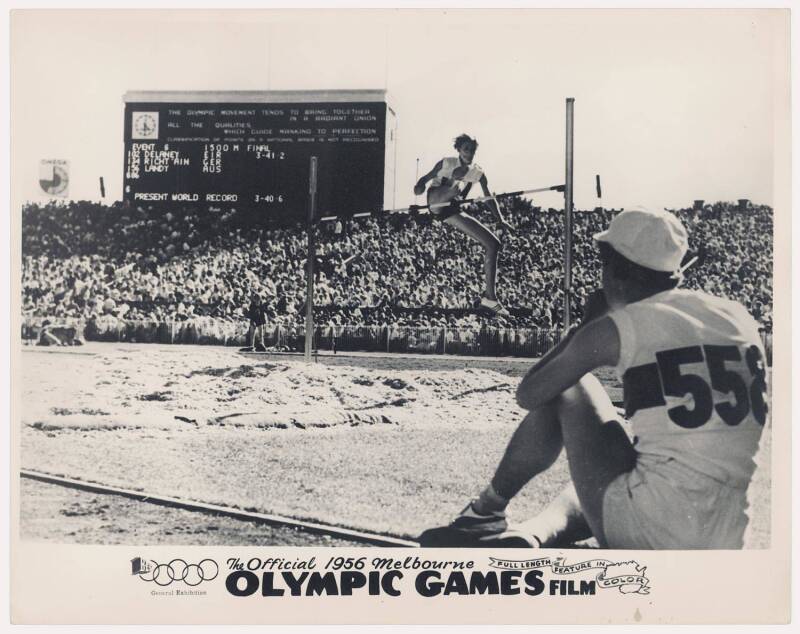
column 253, row 149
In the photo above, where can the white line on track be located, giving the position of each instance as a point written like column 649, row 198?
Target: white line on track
column 46, row 350
column 373, row 539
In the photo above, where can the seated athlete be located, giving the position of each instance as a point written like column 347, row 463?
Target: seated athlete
column 695, row 394
column 58, row 335
column 451, row 180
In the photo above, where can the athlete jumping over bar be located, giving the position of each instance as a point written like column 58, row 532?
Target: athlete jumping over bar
column 451, row 180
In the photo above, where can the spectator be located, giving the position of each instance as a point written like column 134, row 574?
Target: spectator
column 258, row 321
column 83, row 259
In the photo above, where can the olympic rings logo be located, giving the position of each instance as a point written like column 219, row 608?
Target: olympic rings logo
column 178, row 570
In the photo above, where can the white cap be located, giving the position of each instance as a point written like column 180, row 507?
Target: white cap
column 653, row 239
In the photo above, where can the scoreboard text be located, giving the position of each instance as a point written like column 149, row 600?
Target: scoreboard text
column 256, row 155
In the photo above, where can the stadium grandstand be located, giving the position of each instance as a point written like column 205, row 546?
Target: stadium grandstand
column 149, row 274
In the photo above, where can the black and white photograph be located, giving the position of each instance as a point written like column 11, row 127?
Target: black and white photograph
column 434, row 304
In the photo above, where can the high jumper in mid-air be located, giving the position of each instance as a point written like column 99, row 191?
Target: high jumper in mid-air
column 450, row 182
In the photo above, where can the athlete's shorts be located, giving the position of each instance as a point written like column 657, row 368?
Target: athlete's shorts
column 443, row 213
column 662, row 504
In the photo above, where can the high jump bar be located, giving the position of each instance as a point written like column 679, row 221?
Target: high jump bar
column 466, row 201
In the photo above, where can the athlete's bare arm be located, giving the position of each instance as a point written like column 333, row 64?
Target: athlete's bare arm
column 595, row 307
column 419, row 188
column 591, row 346
column 493, row 203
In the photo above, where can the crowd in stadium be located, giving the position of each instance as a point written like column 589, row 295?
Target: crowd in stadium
column 83, row 260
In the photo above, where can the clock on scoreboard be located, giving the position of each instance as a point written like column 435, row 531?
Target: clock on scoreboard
column 253, row 149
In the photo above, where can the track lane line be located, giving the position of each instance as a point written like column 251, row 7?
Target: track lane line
column 374, row 539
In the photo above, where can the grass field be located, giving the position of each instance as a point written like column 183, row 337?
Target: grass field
column 389, row 444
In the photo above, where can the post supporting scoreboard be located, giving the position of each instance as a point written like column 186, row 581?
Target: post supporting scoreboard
column 310, row 256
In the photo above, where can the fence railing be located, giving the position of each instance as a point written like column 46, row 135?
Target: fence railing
column 487, row 341
column 527, row 342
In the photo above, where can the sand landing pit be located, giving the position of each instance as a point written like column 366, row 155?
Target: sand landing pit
column 356, row 442
column 159, row 387
column 390, row 444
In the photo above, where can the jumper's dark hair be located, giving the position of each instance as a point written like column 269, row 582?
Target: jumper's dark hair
column 465, row 139
column 641, row 276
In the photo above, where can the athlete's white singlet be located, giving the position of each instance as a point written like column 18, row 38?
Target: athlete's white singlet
column 692, row 367
column 449, row 165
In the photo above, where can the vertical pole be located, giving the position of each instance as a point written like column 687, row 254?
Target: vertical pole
column 568, row 216
column 269, row 58
column 416, row 180
column 311, row 253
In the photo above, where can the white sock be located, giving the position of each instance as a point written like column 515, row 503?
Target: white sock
column 489, row 501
